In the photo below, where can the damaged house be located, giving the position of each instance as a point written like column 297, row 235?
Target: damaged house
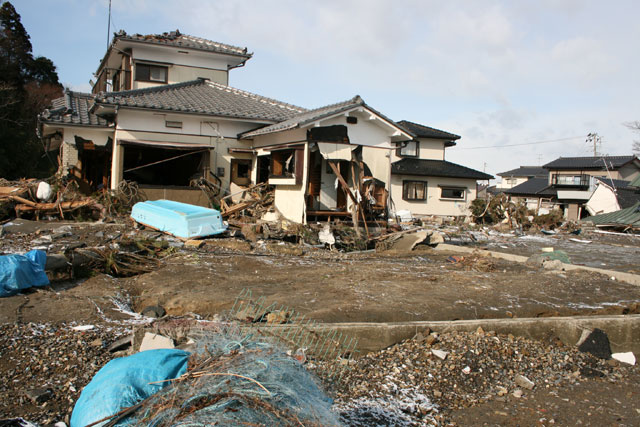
column 161, row 113
column 580, row 186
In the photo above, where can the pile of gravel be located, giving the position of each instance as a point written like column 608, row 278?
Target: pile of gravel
column 411, row 384
column 44, row 367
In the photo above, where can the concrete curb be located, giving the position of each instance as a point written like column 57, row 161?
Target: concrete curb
column 632, row 279
column 623, row 331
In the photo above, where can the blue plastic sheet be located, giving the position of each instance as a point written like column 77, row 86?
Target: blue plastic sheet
column 18, row 272
column 125, row 382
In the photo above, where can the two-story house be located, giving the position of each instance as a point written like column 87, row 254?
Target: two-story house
column 515, row 177
column 572, row 181
column 162, row 113
column 423, row 182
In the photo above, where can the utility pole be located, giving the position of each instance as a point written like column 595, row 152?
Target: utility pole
column 594, row 138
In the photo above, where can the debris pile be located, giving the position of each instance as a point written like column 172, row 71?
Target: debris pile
column 41, row 198
column 418, row 381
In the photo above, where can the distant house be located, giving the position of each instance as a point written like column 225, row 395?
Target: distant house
column 162, row 113
column 520, row 175
column 572, row 181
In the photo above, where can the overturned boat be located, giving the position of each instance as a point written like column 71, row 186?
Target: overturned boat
column 182, row 220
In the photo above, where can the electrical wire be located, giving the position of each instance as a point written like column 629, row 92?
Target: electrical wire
column 524, row 143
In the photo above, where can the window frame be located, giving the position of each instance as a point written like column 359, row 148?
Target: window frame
column 401, row 147
column 405, row 190
column 453, row 187
column 147, row 78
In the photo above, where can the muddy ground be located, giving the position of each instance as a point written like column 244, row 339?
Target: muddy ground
column 331, row 287
column 422, row 285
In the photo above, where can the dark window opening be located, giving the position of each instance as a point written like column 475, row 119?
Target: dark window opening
column 151, row 73
column 263, row 169
column 163, row 166
column 452, row 193
column 241, row 171
column 283, row 164
column 414, row 190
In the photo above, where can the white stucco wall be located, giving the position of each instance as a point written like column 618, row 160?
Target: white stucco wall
column 603, row 200
column 434, row 204
column 511, row 181
column 289, row 199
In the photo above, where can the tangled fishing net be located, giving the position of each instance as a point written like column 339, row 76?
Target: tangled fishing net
column 236, row 379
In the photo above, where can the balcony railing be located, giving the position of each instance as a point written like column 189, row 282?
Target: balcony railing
column 570, row 180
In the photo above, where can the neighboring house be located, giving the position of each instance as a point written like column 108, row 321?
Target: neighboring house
column 572, row 181
column 520, row 175
column 423, row 182
column 162, row 114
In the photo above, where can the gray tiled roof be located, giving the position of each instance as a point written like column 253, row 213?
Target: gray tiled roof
column 422, row 131
column 528, row 171
column 177, row 39
column 426, row 167
column 616, row 183
column 307, row 117
column 627, row 197
column 203, row 97
column 72, row 109
column 593, row 163
column 533, row 187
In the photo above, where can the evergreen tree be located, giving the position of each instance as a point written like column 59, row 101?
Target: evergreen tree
column 27, row 86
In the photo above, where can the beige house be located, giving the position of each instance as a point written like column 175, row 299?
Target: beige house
column 515, row 177
column 163, row 115
column 424, row 183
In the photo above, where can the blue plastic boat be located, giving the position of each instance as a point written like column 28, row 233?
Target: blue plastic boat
column 179, row 219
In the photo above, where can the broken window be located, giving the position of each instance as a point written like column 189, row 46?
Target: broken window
column 151, row 73
column 163, row 166
column 414, row 190
column 241, row 171
column 457, row 193
column 283, row 163
column 408, row 149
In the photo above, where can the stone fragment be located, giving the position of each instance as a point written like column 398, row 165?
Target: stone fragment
column 39, row 395
column 153, row 311
column 629, row 358
column 466, row 370
column 436, row 238
column 153, row 341
column 96, row 343
column 278, row 317
column 524, row 382
column 517, row 393
column 195, row 244
column 440, row 354
column 597, row 344
column 437, row 393
column 121, row 344
column 502, row 391
column 431, row 339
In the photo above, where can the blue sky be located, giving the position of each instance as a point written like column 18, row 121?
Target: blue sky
column 497, row 73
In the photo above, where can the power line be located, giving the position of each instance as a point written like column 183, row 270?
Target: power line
column 524, row 143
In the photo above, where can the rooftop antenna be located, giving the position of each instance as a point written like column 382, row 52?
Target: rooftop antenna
column 109, row 25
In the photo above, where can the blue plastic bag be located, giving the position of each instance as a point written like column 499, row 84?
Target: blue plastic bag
column 18, row 272
column 125, row 382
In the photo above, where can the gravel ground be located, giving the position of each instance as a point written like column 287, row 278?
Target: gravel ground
column 53, row 364
column 408, row 384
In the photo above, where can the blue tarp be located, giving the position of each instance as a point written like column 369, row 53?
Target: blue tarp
column 125, row 382
column 18, row 272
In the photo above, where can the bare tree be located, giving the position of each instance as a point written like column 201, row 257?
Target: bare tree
column 635, row 126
